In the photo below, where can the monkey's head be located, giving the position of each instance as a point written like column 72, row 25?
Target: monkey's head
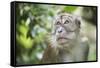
column 66, row 29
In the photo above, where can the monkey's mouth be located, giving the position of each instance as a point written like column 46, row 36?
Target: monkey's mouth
column 62, row 38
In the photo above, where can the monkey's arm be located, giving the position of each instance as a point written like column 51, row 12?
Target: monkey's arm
column 49, row 55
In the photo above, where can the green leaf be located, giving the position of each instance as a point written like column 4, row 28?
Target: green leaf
column 24, row 41
column 70, row 9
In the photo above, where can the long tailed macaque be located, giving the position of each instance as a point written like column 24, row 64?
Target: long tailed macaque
column 66, row 44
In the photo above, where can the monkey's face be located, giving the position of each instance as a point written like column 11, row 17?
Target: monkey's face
column 66, row 27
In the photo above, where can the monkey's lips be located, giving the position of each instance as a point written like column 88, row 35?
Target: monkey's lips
column 62, row 40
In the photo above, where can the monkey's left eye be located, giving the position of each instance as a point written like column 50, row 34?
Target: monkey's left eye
column 66, row 22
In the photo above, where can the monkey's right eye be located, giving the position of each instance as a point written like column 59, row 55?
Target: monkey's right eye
column 57, row 23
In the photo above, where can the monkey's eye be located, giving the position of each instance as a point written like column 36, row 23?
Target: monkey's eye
column 66, row 22
column 57, row 23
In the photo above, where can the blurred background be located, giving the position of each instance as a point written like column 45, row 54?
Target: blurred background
column 34, row 22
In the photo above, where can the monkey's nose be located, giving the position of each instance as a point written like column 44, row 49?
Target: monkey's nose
column 60, row 31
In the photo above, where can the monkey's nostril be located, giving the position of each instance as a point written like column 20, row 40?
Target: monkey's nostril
column 59, row 31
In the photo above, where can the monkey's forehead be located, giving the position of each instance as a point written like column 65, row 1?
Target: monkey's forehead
column 65, row 15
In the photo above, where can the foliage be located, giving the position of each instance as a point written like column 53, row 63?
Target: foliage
column 33, row 23
column 70, row 9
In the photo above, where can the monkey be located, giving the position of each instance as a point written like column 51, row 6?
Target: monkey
column 66, row 44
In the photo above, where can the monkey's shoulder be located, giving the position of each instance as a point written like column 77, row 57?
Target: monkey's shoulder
column 81, row 51
column 84, row 43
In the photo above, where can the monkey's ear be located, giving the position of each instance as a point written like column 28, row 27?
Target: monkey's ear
column 78, row 22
